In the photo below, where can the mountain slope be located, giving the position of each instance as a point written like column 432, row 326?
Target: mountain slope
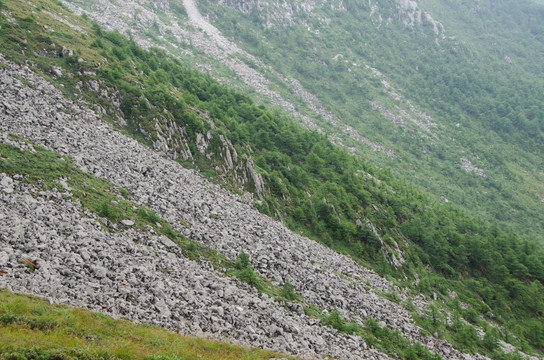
column 412, row 86
column 480, row 101
column 191, row 118
column 99, row 268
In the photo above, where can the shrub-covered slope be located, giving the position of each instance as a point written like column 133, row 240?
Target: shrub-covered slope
column 457, row 99
column 445, row 94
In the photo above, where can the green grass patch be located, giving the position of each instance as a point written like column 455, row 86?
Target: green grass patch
column 31, row 328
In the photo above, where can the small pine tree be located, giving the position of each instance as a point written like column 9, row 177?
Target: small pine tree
column 245, row 271
column 288, row 291
column 242, row 262
column 491, row 339
column 248, row 276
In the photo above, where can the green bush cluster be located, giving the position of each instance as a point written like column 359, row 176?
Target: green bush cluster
column 335, row 320
column 392, row 341
column 382, row 338
column 288, row 291
column 246, row 273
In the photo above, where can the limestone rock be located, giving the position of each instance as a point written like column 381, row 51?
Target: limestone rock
column 127, row 222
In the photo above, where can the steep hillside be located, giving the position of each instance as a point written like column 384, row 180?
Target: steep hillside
column 89, row 257
column 205, row 253
column 32, row 328
column 457, row 97
column 446, row 94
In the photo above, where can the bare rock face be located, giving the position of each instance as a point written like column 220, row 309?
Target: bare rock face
column 171, row 139
column 144, row 277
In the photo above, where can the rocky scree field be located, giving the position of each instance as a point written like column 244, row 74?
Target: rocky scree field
column 143, row 276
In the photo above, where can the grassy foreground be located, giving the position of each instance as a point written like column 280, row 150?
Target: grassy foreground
column 31, row 328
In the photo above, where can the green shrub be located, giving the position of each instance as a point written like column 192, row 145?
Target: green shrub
column 491, row 339
column 245, row 271
column 471, row 315
column 336, row 321
column 124, row 192
column 97, row 29
column 109, row 211
column 242, row 262
column 192, row 251
column 288, row 291
column 248, row 276
column 148, row 216
column 27, row 22
column 466, row 337
column 70, row 60
column 97, row 44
